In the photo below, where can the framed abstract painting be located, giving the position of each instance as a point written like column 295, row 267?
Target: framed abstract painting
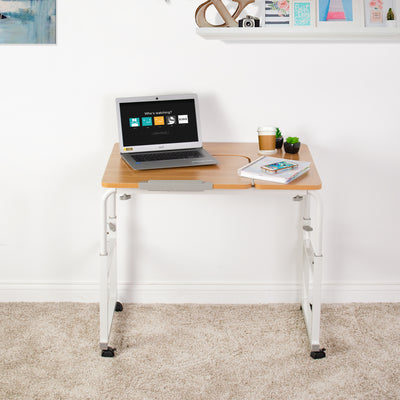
column 340, row 13
column 27, row 22
column 303, row 13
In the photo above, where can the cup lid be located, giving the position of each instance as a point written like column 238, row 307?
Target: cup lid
column 266, row 129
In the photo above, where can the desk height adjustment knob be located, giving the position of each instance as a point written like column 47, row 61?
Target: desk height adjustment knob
column 298, row 198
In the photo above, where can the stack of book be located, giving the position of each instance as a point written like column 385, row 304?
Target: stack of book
column 259, row 169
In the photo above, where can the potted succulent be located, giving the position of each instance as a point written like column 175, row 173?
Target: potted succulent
column 278, row 139
column 292, row 145
column 390, row 22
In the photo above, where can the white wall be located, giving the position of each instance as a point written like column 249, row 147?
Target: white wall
column 57, row 124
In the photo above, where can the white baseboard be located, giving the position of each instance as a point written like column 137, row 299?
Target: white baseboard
column 382, row 292
column 87, row 292
column 191, row 292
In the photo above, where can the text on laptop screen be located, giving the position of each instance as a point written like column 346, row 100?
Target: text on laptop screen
column 156, row 122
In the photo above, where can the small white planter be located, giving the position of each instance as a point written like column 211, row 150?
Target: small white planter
column 391, row 24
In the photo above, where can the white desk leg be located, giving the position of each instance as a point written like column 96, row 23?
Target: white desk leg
column 312, row 272
column 108, row 270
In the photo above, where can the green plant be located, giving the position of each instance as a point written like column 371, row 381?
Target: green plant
column 292, row 140
column 390, row 15
column 278, row 133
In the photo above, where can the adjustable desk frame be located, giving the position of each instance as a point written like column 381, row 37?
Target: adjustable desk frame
column 119, row 176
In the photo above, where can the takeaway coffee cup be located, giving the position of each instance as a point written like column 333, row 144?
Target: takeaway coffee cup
column 266, row 140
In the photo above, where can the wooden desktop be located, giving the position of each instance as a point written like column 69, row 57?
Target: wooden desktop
column 230, row 156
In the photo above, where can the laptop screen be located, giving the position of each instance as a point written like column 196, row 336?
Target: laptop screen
column 157, row 122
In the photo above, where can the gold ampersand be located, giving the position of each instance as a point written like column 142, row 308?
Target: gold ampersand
column 230, row 20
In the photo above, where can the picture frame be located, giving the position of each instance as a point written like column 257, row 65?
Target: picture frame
column 28, row 22
column 303, row 13
column 340, row 14
column 277, row 13
column 375, row 12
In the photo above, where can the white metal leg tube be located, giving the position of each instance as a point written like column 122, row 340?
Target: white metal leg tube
column 312, row 271
column 306, row 210
column 316, row 304
column 108, row 291
column 318, row 222
column 112, row 212
column 104, row 220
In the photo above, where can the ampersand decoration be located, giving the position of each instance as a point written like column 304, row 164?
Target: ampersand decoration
column 230, row 20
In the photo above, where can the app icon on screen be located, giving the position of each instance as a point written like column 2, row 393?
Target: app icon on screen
column 183, row 119
column 134, row 122
column 147, row 121
column 159, row 120
column 170, row 119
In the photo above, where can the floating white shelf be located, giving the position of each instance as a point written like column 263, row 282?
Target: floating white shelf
column 301, row 34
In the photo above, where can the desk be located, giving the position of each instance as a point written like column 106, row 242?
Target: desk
column 231, row 156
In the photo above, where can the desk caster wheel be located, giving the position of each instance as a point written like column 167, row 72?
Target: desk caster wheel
column 108, row 352
column 318, row 354
column 118, row 307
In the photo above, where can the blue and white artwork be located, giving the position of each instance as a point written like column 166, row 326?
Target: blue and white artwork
column 27, row 22
column 336, row 10
column 301, row 13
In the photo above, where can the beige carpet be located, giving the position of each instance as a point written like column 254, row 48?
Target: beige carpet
column 50, row 351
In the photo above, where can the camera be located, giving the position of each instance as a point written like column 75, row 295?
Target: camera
column 249, row 22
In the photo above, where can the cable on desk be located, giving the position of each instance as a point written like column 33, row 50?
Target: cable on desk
column 236, row 155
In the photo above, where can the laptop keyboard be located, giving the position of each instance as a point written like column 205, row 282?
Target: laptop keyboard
column 170, row 155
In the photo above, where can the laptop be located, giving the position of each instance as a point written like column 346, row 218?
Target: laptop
column 161, row 132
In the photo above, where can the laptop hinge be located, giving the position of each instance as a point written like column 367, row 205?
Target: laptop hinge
column 176, row 185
